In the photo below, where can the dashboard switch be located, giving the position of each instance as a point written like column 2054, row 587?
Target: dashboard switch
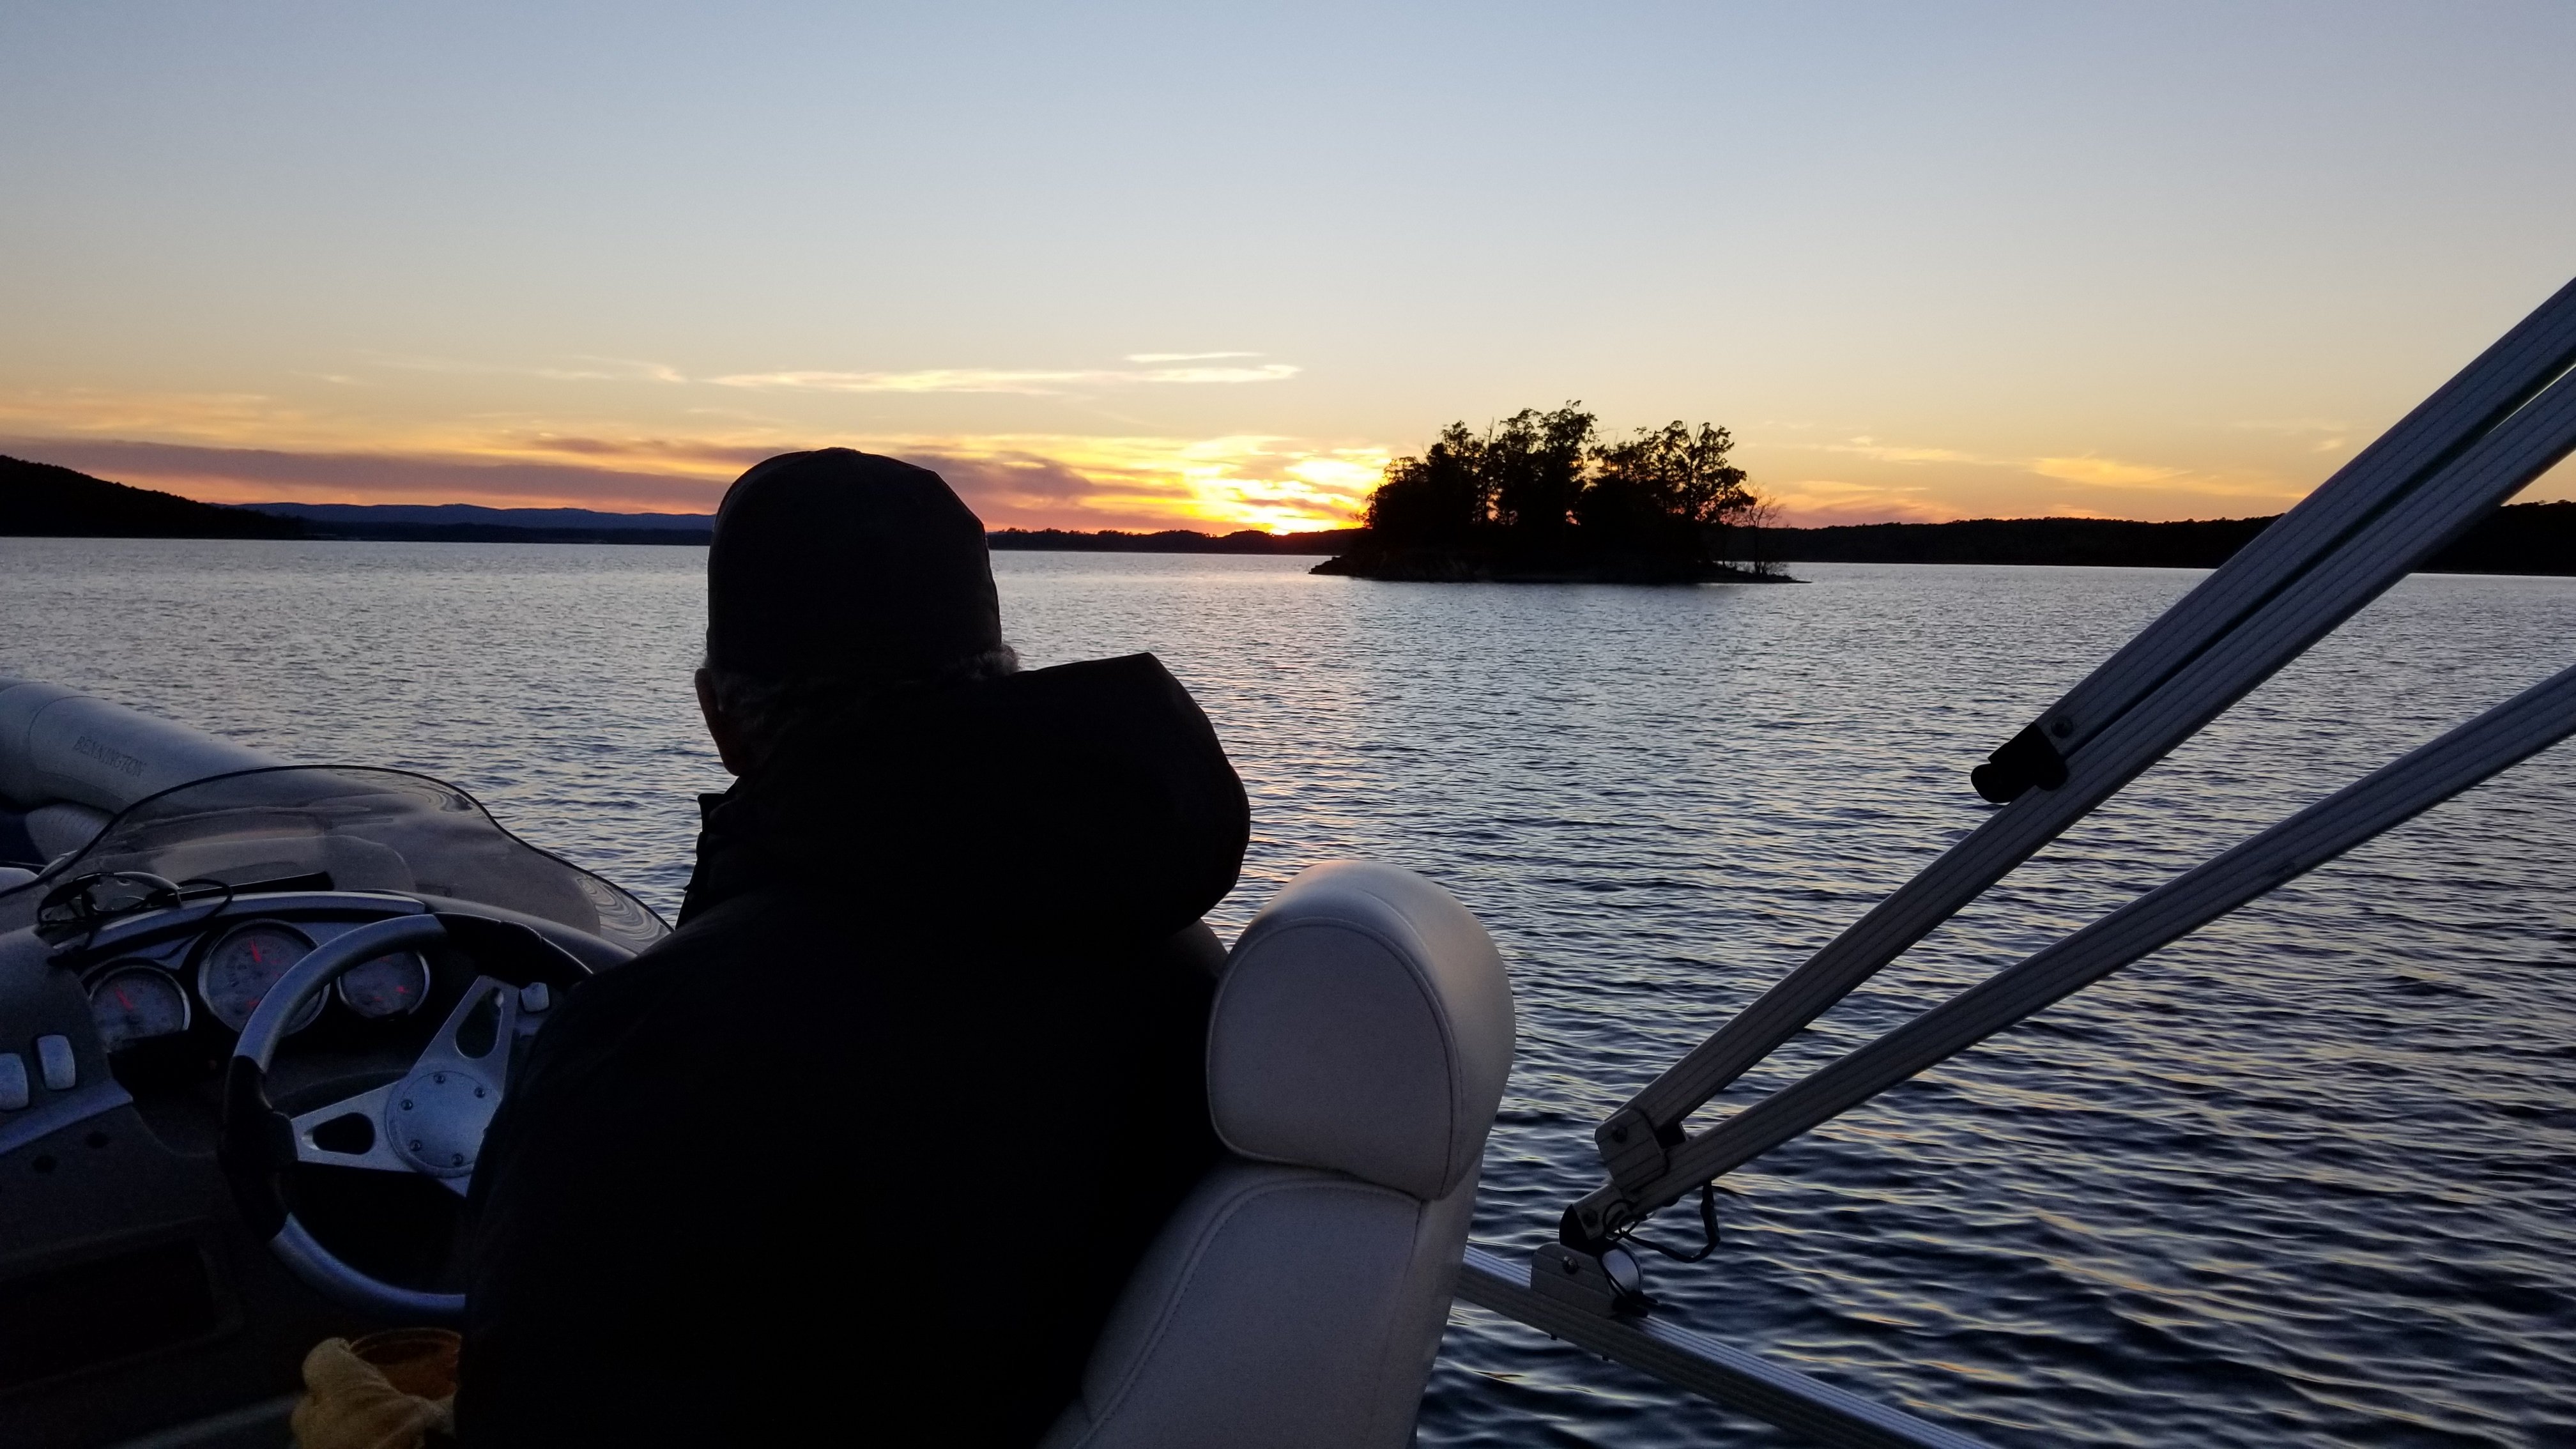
column 13, row 1082
column 54, row 1058
column 534, row 997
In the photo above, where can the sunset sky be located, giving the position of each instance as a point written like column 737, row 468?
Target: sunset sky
column 1125, row 266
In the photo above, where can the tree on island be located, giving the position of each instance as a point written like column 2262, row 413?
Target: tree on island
column 1544, row 495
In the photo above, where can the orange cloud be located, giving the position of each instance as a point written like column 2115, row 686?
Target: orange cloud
column 1823, row 502
column 1001, row 380
column 2105, row 472
column 1012, row 481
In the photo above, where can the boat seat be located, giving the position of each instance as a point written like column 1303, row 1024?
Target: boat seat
column 1356, row 1054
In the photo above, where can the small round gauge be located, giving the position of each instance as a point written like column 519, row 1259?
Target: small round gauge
column 135, row 1002
column 390, row 985
column 244, row 965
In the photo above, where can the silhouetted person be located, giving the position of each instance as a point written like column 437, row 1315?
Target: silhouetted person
column 865, row 1150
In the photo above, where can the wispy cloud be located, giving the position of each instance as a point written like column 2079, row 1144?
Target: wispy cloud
column 2103, row 472
column 641, row 450
column 612, row 369
column 2089, row 468
column 1168, row 368
column 2325, row 435
column 2291, row 425
column 2235, row 490
column 1003, row 380
column 1821, row 502
column 1872, row 448
column 203, row 415
column 577, row 367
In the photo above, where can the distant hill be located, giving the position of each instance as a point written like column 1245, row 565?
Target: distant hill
column 473, row 523
column 40, row 500
column 455, row 515
column 2520, row 538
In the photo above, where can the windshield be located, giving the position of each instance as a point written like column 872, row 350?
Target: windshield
column 368, row 829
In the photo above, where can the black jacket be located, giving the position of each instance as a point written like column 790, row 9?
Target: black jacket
column 867, row 1147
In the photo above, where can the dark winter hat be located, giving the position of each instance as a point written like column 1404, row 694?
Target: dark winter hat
column 837, row 562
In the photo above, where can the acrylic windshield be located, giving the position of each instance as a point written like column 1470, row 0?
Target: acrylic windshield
column 368, row 830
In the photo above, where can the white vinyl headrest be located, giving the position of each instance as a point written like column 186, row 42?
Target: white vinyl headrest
column 1364, row 1025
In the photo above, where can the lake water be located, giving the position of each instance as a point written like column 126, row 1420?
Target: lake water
column 2306, row 1178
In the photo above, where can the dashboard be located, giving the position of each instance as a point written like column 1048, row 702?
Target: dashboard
column 163, row 995
column 141, row 1186
column 225, row 973
column 141, row 1291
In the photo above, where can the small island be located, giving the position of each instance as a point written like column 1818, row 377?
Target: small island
column 1544, row 498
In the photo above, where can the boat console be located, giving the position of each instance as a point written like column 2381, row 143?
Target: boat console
column 250, row 1030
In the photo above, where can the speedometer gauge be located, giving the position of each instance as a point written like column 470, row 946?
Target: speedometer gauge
column 387, row 986
column 136, row 1002
column 244, row 965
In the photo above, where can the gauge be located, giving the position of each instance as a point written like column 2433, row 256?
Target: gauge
column 135, row 1002
column 244, row 965
column 390, row 985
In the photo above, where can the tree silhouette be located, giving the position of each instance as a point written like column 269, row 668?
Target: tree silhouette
column 1440, row 497
column 1536, row 462
column 1665, row 486
column 1547, row 483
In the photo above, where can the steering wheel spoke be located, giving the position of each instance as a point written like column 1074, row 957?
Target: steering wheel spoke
column 349, row 1133
column 432, row 1120
column 476, row 1036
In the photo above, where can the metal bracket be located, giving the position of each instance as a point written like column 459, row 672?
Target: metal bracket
column 1610, row 1283
column 2027, row 759
column 1632, row 1147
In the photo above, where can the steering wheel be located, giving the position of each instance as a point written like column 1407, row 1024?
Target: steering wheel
column 430, row 1121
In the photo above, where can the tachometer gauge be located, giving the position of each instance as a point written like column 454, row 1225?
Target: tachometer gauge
column 136, row 1002
column 387, row 986
column 242, row 968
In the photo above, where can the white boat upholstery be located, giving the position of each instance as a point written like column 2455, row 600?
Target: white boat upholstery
column 57, row 744
column 1356, row 1054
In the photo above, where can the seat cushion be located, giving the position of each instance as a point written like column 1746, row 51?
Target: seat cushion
column 1283, row 1308
column 1364, row 1026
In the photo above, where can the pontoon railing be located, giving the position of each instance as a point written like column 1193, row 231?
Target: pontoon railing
column 1701, row 1364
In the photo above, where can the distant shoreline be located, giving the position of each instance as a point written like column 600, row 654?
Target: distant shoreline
column 2536, row 539
column 2520, row 538
column 40, row 500
column 1425, row 565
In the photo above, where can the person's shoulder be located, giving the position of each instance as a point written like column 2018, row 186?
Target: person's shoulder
column 668, row 987
column 1128, row 681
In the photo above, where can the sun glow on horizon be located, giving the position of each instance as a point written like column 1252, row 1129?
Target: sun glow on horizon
column 243, row 449
column 606, row 440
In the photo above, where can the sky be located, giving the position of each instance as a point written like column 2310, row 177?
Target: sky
column 1212, row 266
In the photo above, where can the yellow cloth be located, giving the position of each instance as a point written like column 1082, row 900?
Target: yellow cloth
column 348, row 1404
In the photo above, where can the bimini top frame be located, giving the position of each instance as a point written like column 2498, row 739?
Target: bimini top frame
column 2503, row 421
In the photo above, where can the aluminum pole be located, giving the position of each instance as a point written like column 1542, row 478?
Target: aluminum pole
column 1637, row 1141
column 2502, row 737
